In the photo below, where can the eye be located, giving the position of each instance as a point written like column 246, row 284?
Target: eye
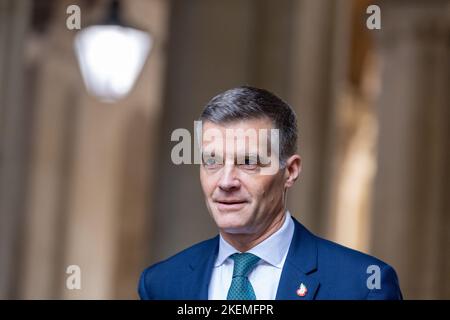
column 211, row 163
column 265, row 162
column 250, row 163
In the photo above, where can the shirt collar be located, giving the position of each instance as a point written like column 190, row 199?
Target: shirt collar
column 272, row 250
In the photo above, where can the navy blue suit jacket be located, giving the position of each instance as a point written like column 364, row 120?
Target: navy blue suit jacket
column 327, row 270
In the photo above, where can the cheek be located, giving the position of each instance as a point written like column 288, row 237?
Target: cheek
column 204, row 181
column 207, row 182
column 259, row 191
column 270, row 191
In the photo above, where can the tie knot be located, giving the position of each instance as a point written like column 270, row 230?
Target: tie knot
column 243, row 263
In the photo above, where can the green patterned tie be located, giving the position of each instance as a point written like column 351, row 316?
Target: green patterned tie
column 241, row 288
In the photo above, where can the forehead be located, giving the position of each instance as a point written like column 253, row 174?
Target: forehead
column 243, row 137
column 236, row 129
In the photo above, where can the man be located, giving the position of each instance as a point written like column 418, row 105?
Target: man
column 261, row 252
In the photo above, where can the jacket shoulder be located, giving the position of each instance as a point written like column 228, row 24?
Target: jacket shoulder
column 161, row 272
column 342, row 255
column 345, row 270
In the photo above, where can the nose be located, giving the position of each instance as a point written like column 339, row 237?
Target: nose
column 229, row 180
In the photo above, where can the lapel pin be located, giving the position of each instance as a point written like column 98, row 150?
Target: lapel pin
column 302, row 290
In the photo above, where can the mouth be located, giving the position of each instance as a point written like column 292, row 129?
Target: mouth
column 230, row 205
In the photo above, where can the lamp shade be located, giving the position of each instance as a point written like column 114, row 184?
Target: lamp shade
column 111, row 58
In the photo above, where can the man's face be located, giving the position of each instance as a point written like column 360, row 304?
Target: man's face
column 239, row 197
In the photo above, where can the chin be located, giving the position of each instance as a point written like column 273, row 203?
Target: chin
column 231, row 222
column 236, row 230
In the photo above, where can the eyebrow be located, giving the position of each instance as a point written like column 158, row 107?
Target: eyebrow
column 260, row 160
column 247, row 155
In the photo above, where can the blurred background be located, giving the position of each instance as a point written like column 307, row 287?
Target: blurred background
column 86, row 177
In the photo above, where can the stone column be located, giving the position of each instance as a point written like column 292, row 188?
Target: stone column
column 411, row 205
column 319, row 50
column 14, row 124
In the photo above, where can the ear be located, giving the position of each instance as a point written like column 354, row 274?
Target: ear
column 292, row 170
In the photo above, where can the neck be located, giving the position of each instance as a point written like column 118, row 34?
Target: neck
column 244, row 242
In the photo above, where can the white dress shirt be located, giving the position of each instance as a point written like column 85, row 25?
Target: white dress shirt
column 267, row 272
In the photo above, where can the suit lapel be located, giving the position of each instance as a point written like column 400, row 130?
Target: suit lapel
column 197, row 281
column 299, row 267
column 290, row 282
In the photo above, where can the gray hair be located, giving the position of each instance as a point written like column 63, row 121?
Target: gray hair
column 246, row 103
